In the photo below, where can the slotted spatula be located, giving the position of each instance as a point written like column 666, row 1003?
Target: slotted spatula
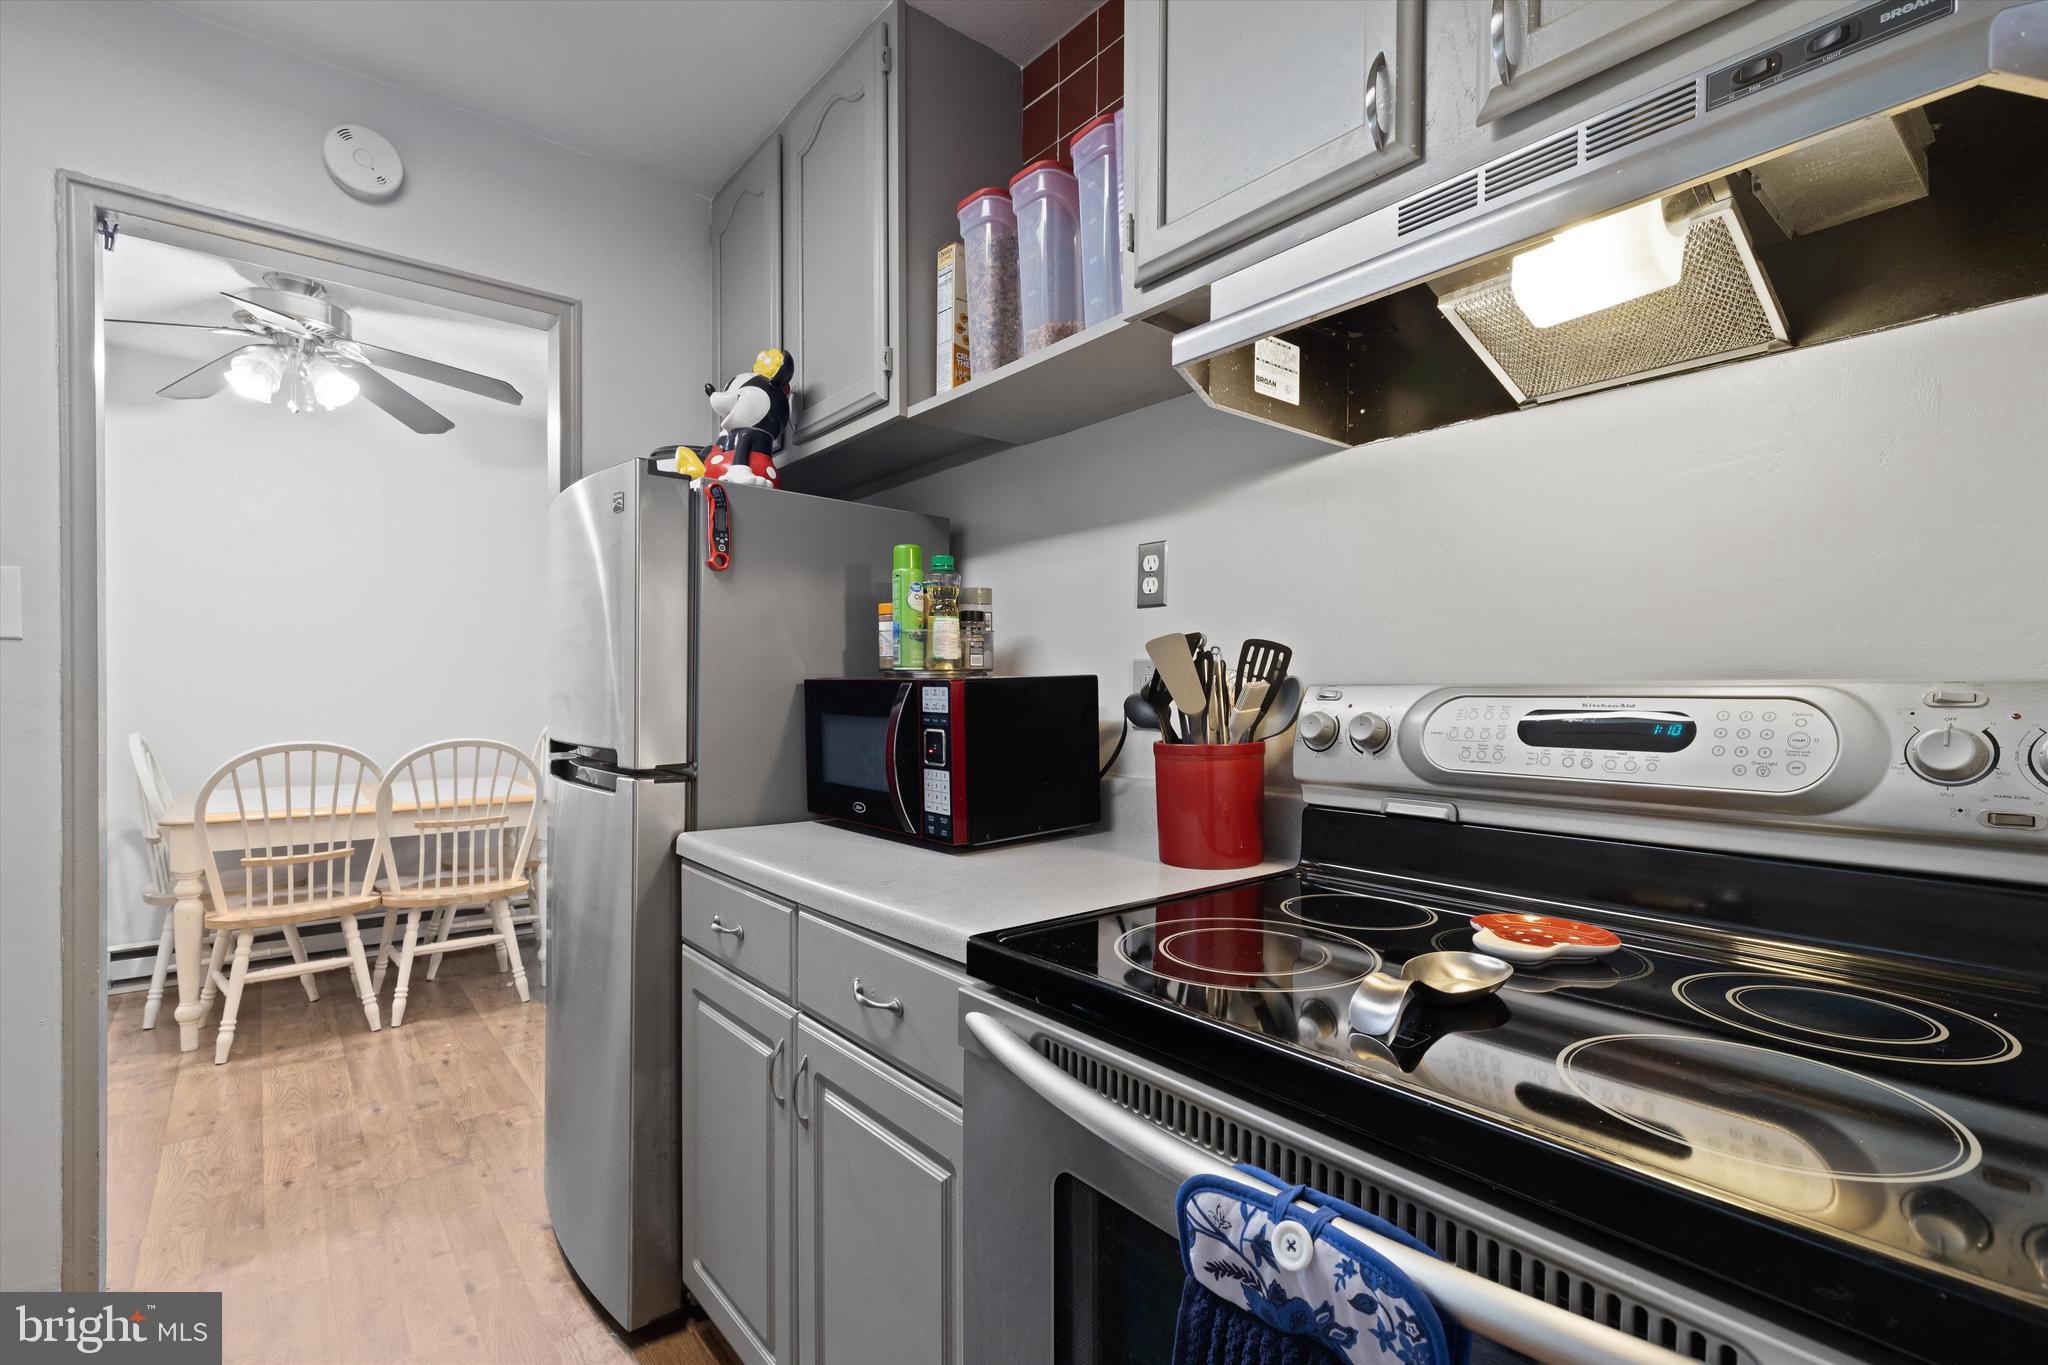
column 1265, row 660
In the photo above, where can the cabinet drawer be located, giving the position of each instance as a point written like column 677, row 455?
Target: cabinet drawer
column 912, row 1017
column 737, row 928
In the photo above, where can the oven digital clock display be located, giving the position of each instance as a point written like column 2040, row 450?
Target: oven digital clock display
column 1653, row 732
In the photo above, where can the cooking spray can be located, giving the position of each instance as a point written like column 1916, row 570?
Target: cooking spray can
column 906, row 588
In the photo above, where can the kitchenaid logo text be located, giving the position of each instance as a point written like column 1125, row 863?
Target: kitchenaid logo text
column 1910, row 7
column 166, row 1328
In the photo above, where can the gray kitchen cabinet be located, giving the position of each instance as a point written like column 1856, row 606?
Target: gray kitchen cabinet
column 838, row 193
column 1531, row 49
column 739, row 1216
column 878, row 1207
column 1248, row 115
column 746, row 263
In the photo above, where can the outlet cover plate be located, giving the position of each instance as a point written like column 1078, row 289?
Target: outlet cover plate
column 1152, row 574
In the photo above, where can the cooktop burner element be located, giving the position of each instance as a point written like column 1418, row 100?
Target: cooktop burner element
column 1856, row 1021
column 1246, row 955
column 1711, row 1101
column 1359, row 914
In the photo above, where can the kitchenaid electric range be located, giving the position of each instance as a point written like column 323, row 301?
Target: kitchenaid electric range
column 1800, row 1113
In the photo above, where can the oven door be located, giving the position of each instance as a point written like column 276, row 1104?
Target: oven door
column 1074, row 1154
column 860, row 759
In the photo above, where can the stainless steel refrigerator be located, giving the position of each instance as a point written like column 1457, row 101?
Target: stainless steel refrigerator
column 674, row 703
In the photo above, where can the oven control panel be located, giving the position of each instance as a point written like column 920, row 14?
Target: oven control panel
column 1945, row 777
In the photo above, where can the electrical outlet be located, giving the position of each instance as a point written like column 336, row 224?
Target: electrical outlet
column 1141, row 674
column 1152, row 574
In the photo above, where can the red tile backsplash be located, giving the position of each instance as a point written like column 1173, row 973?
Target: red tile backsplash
column 1072, row 81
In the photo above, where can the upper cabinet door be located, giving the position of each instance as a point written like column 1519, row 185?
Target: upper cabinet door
column 836, row 191
column 1530, row 49
column 1245, row 116
column 746, row 256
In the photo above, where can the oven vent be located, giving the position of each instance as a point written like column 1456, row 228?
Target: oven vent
column 1645, row 118
column 1493, row 1253
column 1433, row 206
column 1540, row 162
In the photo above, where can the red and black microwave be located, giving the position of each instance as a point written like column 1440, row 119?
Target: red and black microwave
column 955, row 761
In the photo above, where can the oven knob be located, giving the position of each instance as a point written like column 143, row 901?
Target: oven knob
column 1318, row 730
column 2039, row 760
column 1950, row 755
column 1367, row 732
column 2035, row 1244
column 1946, row 1223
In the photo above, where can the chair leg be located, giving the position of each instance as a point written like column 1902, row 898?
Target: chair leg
column 444, row 921
column 164, row 946
column 412, row 939
column 231, row 1004
column 291, row 938
column 215, row 955
column 359, row 967
column 501, row 917
column 383, row 951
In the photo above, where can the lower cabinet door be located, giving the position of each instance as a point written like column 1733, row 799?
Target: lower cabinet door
column 878, row 1211
column 738, row 1214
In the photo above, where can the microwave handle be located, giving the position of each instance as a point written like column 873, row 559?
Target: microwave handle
column 1531, row 1326
column 889, row 743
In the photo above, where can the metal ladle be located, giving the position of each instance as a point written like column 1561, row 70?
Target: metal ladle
column 1376, row 1004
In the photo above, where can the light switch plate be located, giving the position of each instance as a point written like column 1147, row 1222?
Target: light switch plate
column 1152, row 574
column 10, row 602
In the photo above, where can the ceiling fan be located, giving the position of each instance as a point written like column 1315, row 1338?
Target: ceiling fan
column 295, row 340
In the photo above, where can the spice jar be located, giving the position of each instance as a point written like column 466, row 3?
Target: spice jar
column 978, row 630
column 942, row 616
column 885, row 632
column 988, row 240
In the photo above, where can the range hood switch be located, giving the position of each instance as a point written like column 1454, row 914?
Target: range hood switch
column 1755, row 69
column 1830, row 38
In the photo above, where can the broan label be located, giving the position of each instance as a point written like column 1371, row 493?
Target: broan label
column 1276, row 370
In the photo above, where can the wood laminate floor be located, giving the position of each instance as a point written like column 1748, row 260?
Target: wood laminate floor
column 359, row 1198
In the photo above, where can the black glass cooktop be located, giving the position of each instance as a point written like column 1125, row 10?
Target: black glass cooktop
column 1882, row 1119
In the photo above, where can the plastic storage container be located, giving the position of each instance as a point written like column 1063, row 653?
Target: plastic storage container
column 988, row 239
column 1211, row 803
column 1047, row 202
column 1098, row 176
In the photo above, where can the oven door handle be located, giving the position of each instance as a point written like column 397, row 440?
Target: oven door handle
column 1513, row 1319
column 889, row 742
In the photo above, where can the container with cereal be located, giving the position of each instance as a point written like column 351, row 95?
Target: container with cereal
column 988, row 235
column 1047, row 203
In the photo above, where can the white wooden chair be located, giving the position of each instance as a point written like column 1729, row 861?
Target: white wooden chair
column 536, row 877
column 467, row 843
column 293, row 815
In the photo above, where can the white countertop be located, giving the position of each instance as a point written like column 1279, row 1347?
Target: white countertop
column 935, row 900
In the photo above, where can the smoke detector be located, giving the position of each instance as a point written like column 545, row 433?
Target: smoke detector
column 363, row 162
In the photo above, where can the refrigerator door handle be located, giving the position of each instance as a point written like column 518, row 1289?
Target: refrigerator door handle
column 890, row 742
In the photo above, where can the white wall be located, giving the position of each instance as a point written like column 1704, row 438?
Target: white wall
column 326, row 576
column 1876, row 508
column 140, row 95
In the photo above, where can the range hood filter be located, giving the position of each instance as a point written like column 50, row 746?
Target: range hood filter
column 1722, row 307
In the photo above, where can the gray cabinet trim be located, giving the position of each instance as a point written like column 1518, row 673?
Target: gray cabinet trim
column 1548, row 57
column 760, row 178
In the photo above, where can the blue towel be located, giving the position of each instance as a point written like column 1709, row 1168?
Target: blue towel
column 1311, row 1295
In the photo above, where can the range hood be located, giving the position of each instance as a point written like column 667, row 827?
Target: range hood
column 1886, row 166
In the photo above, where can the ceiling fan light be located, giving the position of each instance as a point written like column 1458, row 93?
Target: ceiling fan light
column 255, row 374
column 334, row 387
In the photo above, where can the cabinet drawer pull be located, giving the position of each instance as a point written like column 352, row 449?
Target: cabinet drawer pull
column 1497, row 34
column 1375, row 77
column 774, row 1063
column 867, row 1001
column 796, row 1091
column 719, row 926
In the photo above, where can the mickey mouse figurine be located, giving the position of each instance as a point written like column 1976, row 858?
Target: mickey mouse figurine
column 753, row 423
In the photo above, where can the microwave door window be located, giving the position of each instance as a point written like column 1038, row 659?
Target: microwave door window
column 854, row 751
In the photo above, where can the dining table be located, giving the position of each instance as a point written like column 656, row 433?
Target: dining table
column 316, row 816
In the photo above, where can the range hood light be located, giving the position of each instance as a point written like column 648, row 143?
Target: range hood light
column 1599, row 264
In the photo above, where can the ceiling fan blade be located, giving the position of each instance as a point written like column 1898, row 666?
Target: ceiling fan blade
column 284, row 322
column 380, row 390
column 193, row 326
column 207, row 380
column 467, row 380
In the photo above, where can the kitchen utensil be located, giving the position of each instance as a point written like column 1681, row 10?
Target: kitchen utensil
column 1281, row 706
column 1138, row 710
column 1268, row 659
column 1376, row 1004
column 1161, row 702
column 1176, row 665
column 1251, row 699
column 1540, row 938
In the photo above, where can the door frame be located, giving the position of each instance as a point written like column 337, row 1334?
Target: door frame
column 84, row 204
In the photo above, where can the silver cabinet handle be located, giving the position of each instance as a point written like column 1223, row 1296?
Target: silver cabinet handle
column 1375, row 77
column 796, row 1091
column 774, row 1062
column 1497, row 34
column 867, row 1001
column 719, row 926
column 1529, row 1325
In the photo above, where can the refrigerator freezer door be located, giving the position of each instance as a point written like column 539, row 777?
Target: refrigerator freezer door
column 618, row 616
column 612, row 1104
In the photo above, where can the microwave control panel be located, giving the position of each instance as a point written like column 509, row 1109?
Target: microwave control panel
column 937, row 730
column 1925, row 776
